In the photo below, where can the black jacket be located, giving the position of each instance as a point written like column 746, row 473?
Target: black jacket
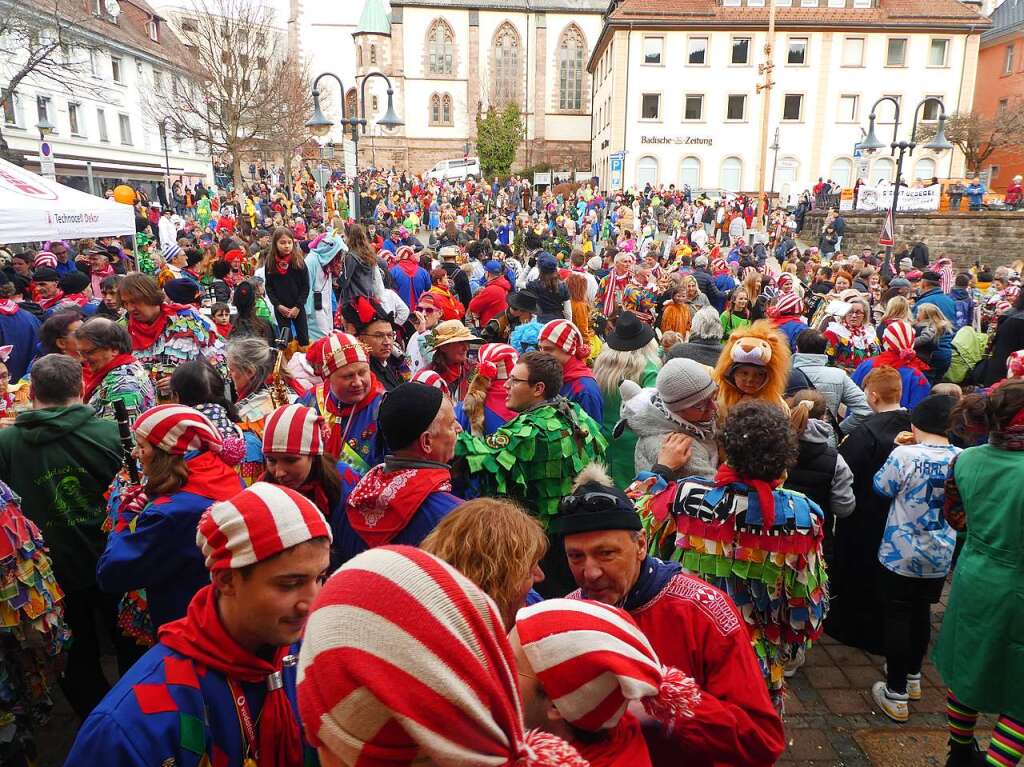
column 289, row 289
column 459, row 280
column 1009, row 338
column 707, row 286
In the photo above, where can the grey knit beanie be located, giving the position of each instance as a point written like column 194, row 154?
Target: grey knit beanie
column 684, row 383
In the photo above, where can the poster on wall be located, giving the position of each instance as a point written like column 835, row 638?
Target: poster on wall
column 910, row 199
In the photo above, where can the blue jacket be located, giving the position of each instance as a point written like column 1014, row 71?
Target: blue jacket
column 167, row 711
column 915, row 385
column 410, row 286
column 791, row 330
column 937, row 298
column 20, row 330
column 348, row 543
column 585, row 392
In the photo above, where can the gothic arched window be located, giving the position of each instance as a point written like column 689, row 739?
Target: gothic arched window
column 435, row 109
column 373, row 54
column 440, row 49
column 446, row 109
column 506, row 64
column 571, row 48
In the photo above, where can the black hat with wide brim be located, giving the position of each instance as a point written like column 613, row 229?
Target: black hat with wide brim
column 523, row 301
column 630, row 333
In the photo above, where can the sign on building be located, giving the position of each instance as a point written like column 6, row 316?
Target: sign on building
column 615, row 171
column 541, row 179
column 880, row 197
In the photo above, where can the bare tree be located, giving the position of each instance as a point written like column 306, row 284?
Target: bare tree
column 287, row 132
column 978, row 136
column 43, row 41
column 238, row 65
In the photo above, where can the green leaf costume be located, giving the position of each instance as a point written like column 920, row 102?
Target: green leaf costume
column 536, row 456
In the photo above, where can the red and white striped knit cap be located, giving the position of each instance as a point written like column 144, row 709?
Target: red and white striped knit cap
column 44, row 258
column 787, row 304
column 898, row 336
column 719, row 265
column 1015, row 364
column 405, row 661
column 431, row 378
column 592, row 660
column 334, row 351
column 177, row 429
column 405, row 253
column 497, row 361
column 562, row 334
column 259, row 522
column 294, row 430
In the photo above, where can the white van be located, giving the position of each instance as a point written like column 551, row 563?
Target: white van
column 455, row 170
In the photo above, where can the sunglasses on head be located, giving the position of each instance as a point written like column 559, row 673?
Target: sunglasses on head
column 589, row 502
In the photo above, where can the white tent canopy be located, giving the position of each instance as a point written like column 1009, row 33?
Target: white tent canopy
column 36, row 208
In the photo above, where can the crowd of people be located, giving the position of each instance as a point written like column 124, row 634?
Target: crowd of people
column 497, row 476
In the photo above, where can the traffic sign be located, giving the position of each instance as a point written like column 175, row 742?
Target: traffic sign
column 46, row 161
column 887, row 237
column 615, row 171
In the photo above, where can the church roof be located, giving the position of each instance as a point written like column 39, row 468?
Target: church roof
column 374, row 19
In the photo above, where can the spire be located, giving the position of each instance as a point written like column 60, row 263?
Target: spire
column 374, row 19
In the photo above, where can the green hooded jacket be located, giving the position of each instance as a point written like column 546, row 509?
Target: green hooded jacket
column 61, row 460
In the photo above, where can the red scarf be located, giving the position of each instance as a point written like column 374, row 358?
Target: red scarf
column 337, row 414
column 92, row 380
column 223, row 329
column 314, row 491
column 144, row 334
column 383, row 502
column 495, row 400
column 612, row 287
column 906, row 358
column 201, row 636
column 49, row 303
column 8, row 307
column 575, row 369
column 726, row 475
column 282, row 264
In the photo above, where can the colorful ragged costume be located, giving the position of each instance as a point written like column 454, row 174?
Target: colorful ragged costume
column 32, row 631
column 125, row 380
column 771, row 564
column 179, row 334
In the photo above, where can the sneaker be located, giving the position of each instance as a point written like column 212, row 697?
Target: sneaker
column 965, row 755
column 913, row 683
column 893, row 704
column 793, row 665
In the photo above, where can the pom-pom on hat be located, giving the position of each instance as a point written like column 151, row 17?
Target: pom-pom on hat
column 405, row 661
column 592, row 659
column 562, row 334
column 334, row 351
column 257, row 524
column 497, row 361
column 431, row 378
column 294, row 430
column 177, row 429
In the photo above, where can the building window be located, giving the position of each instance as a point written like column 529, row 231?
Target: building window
column 647, row 171
column 993, row 171
column 736, row 107
column 930, row 110
column 653, row 47
column 689, row 172
column 848, row 108
column 734, row 3
column 153, row 29
column 115, row 69
column 650, row 106
column 883, row 169
column 1008, row 60
column 757, row 3
column 43, row 110
column 836, row 3
column 698, row 50
column 937, row 52
column 435, row 109
column 12, row 114
column 693, row 107
column 373, row 54
column 94, row 62
column 73, row 112
column 506, row 64
column 440, row 48
column 925, row 169
column 359, row 55
column 896, row 53
column 1004, row 104
column 441, row 109
column 125, row 124
column 731, row 176
column 841, row 171
column 741, row 50
column 808, row 3
column 792, row 106
column 862, row 3
column 570, row 69
column 797, row 53
column 350, row 102
column 101, row 124
column 853, row 51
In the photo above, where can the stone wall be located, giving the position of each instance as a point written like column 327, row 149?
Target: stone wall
column 995, row 238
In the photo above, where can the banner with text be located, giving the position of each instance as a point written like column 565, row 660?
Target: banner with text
column 880, row 198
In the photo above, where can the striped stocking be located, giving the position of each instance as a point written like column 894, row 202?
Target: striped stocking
column 1007, row 744
column 961, row 720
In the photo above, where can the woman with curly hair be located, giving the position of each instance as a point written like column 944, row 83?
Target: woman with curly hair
column 744, row 534
column 497, row 545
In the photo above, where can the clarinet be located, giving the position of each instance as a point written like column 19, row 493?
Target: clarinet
column 127, row 445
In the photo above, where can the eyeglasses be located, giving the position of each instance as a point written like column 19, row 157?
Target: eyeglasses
column 428, row 310
column 382, row 336
column 514, row 380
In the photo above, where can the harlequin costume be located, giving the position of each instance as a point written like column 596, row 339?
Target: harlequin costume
column 578, row 382
column 849, row 346
column 178, row 334
column 351, row 428
column 32, row 631
column 123, row 379
column 401, row 500
column 187, row 700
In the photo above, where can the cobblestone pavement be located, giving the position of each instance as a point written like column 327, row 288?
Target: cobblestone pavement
column 831, row 719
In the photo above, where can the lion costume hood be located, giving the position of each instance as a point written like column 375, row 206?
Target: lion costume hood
column 757, row 344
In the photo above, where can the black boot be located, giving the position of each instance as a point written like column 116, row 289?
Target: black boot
column 969, row 755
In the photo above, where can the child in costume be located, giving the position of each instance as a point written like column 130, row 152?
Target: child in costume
column 753, row 365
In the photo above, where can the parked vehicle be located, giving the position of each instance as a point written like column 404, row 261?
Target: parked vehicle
column 455, row 170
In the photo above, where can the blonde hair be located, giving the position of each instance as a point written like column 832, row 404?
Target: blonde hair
column 612, row 366
column 929, row 314
column 670, row 338
column 494, row 543
column 897, row 308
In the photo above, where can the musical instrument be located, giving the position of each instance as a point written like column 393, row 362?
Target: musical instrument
column 278, row 388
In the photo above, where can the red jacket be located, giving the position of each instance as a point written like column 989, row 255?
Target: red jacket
column 696, row 628
column 491, row 300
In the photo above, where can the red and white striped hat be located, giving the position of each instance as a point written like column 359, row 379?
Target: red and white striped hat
column 719, row 265
column 431, row 378
column 45, row 258
column 294, row 430
column 592, row 660
column 785, row 279
column 334, row 351
column 562, row 334
column 898, row 336
column 177, row 429
column 405, row 253
column 497, row 361
column 405, row 661
column 787, row 304
column 1015, row 364
column 259, row 522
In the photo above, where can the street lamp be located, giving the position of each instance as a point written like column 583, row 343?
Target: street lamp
column 45, row 127
column 320, row 125
column 871, row 144
column 167, row 162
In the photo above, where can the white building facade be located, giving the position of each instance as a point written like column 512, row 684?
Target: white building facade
column 101, row 123
column 678, row 94
column 450, row 61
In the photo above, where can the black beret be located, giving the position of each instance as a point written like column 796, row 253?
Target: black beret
column 406, row 412
column 45, row 274
column 74, row 282
column 182, row 290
